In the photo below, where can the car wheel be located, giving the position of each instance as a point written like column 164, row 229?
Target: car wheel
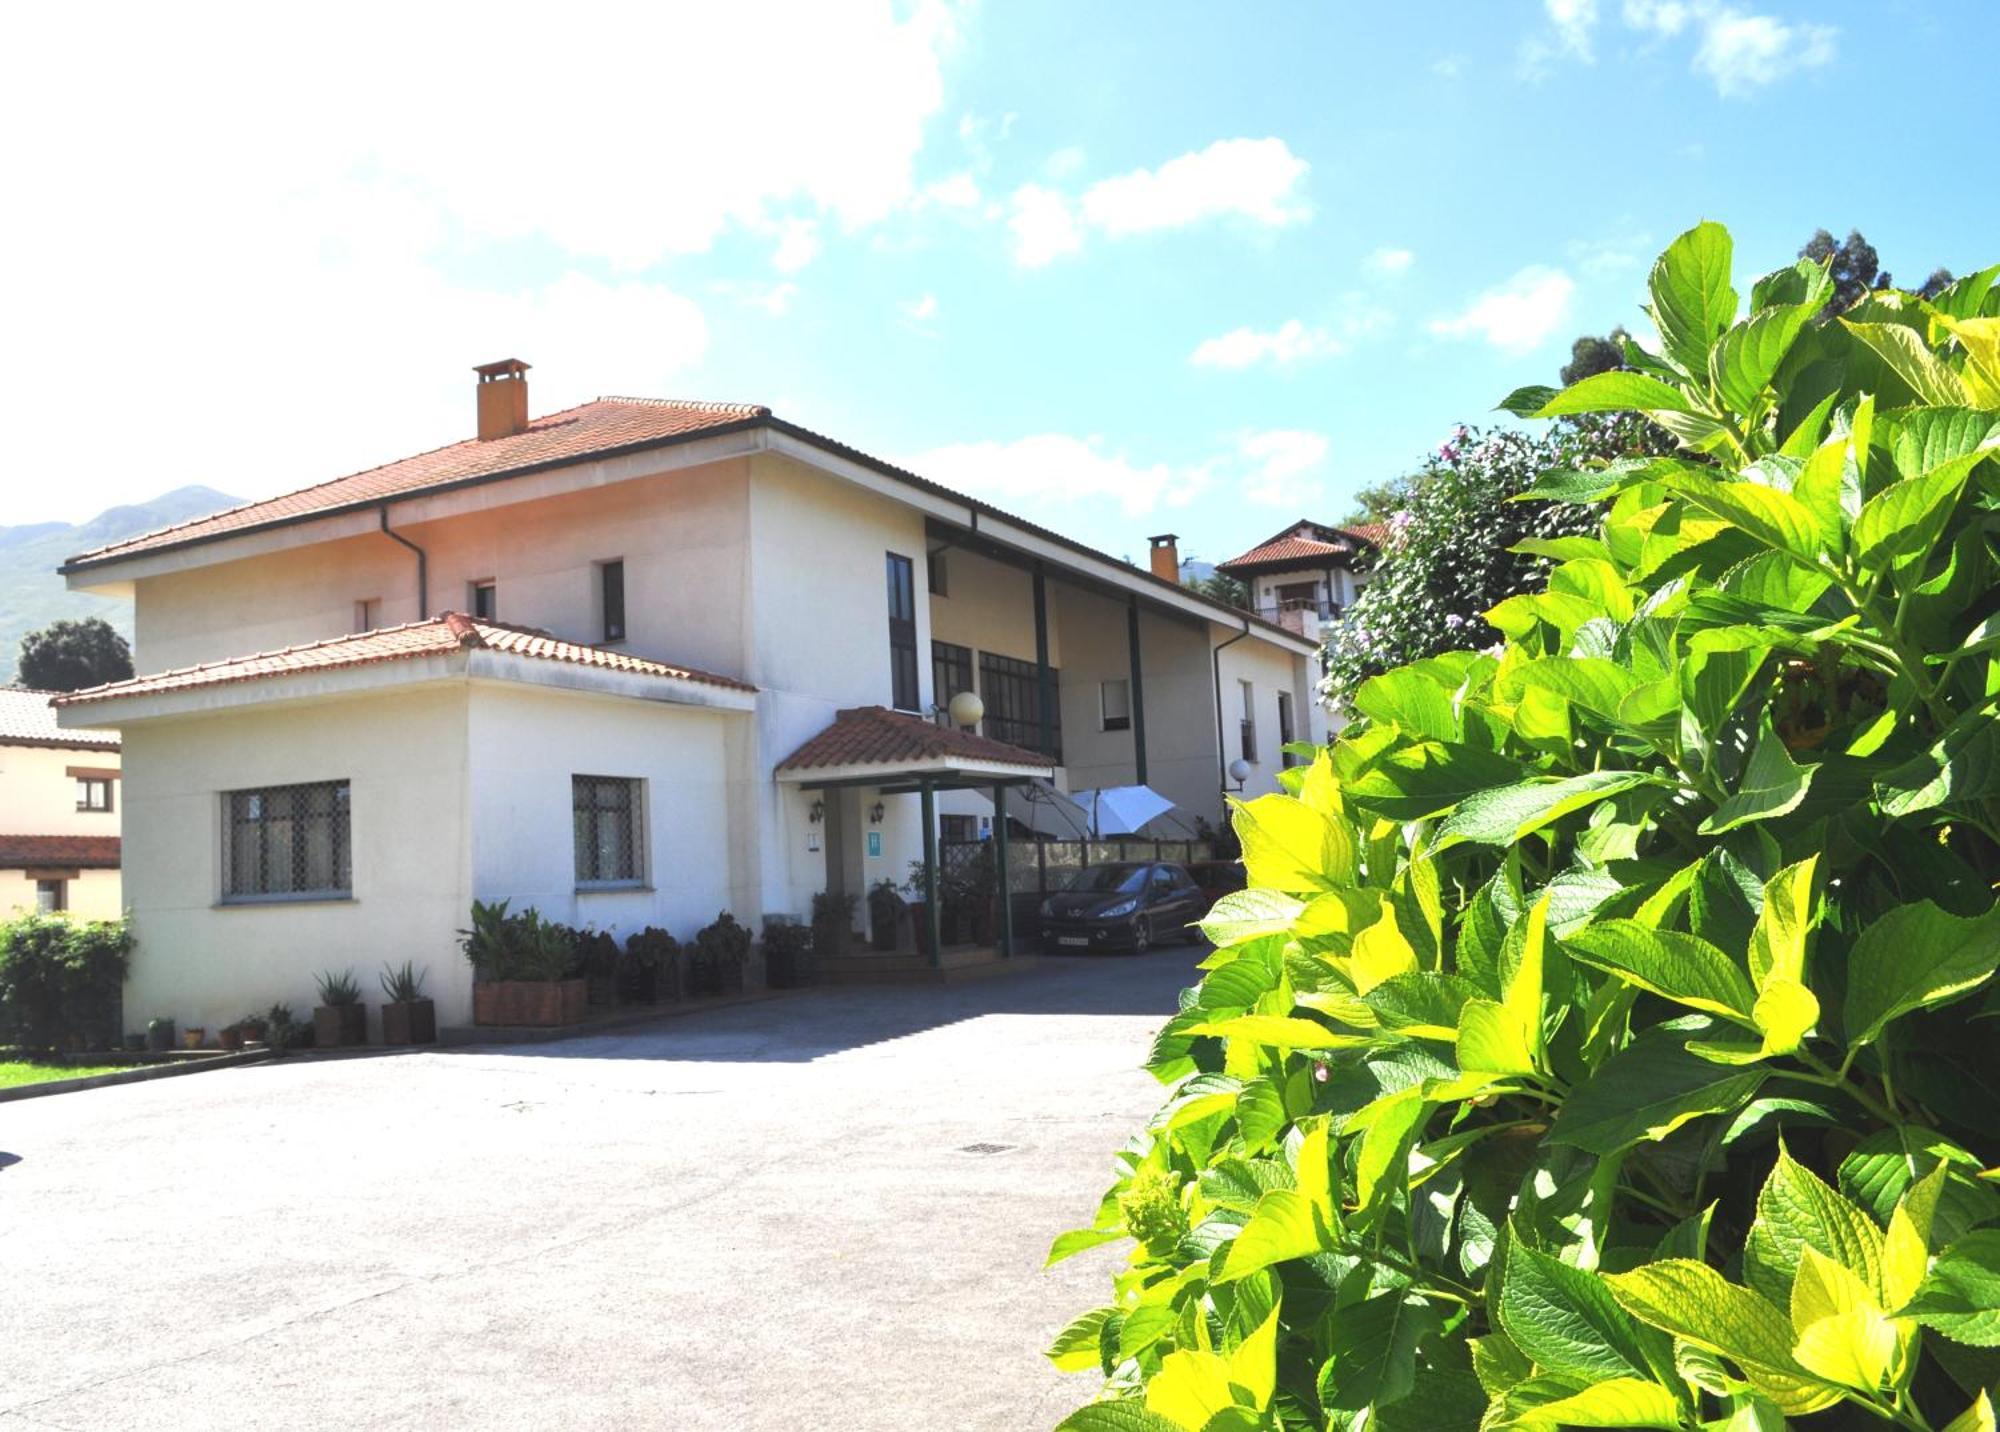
column 1142, row 935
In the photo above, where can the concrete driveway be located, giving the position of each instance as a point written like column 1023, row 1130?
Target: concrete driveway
column 772, row 1216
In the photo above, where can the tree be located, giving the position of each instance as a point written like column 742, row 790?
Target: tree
column 1218, row 586
column 70, row 655
column 1605, row 1036
column 1374, row 504
column 1856, row 270
column 1591, row 355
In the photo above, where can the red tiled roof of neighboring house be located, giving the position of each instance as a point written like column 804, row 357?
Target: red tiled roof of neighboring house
column 877, row 736
column 27, row 719
column 448, row 632
column 81, row 852
column 1290, row 546
column 591, row 430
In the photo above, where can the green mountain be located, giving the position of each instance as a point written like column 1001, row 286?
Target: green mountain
column 32, row 595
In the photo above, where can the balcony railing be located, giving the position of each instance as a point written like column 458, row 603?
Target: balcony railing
column 1305, row 618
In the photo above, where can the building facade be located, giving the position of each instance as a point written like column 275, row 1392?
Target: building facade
column 60, row 801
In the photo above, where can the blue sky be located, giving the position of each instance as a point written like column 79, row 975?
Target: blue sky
column 1121, row 269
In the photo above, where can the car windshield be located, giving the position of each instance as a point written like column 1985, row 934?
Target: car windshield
column 1105, row 879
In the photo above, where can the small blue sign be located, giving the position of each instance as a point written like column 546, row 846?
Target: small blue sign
column 875, row 842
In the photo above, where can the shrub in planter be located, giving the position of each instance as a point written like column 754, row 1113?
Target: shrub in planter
column 599, row 957
column 523, row 968
column 720, row 952
column 1606, row 1036
column 282, row 1032
column 832, row 925
column 885, row 914
column 650, row 972
column 340, row 1019
column 408, row 1017
column 788, row 954
column 60, row 981
column 230, row 1037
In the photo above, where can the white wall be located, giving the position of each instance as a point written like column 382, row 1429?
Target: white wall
column 1269, row 669
column 38, row 795
column 92, row 894
column 203, row 963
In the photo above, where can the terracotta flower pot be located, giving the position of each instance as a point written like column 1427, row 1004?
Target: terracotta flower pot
column 338, row 1026
column 414, row 1022
column 539, row 1003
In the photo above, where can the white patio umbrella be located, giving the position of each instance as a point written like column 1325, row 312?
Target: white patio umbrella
column 1121, row 810
column 1042, row 808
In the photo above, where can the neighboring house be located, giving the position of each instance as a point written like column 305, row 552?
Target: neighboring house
column 59, row 805
column 1306, row 575
column 632, row 663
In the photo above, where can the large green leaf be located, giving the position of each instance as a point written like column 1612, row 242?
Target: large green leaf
column 1698, row 1305
column 1075, row 1347
column 1116, row 1417
column 1616, row 392
column 1773, row 785
column 1597, row 684
column 1618, row 1402
column 1681, row 967
column 1902, row 349
column 1647, row 1091
column 1916, row 955
column 1412, row 701
column 1249, row 914
column 1285, row 1226
column 1504, row 816
column 1961, row 1296
column 1797, row 1210
column 1290, row 847
column 1565, row 1318
column 1963, row 766
column 1803, row 284
column 1902, row 522
column 1693, row 301
column 1777, row 519
column 1374, row 1350
column 1429, row 777
column 1742, row 361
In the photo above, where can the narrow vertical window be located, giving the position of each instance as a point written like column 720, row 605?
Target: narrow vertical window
column 1249, row 726
column 368, row 614
column 937, row 577
column 902, row 632
column 485, row 600
column 951, row 673
column 51, row 896
column 1115, row 697
column 611, row 584
column 1284, row 726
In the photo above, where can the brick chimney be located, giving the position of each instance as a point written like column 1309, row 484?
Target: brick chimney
column 1166, row 556
column 503, row 398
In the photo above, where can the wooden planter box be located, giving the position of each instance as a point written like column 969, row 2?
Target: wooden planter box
column 337, row 1026
column 541, row 1003
column 660, row 986
column 411, row 1023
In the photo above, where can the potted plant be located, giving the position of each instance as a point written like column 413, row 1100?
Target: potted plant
column 599, row 954
column 230, row 1037
column 650, row 972
column 159, row 1035
column 523, row 968
column 282, row 1031
column 832, row 925
column 408, row 1017
column 340, row 1019
column 885, row 914
column 192, row 1037
column 253, row 1027
column 720, row 952
column 788, row 954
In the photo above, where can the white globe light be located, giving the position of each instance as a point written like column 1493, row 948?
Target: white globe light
column 966, row 709
column 1239, row 770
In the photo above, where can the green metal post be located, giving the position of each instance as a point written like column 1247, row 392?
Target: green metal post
column 1000, row 861
column 933, row 917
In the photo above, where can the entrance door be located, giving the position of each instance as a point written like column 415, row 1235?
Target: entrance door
column 845, row 847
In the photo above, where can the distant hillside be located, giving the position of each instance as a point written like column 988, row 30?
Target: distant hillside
column 32, row 595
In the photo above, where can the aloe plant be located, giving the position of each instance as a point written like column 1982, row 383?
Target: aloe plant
column 339, row 989
column 1605, row 1037
column 404, row 985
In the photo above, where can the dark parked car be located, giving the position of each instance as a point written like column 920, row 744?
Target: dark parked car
column 1218, row 878
column 1127, row 906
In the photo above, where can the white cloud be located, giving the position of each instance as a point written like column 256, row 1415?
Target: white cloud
column 1574, row 20
column 957, row 191
column 1281, row 468
column 1597, row 257
column 1389, row 262
column 1290, row 342
column 798, row 245
column 1256, row 179
column 777, row 299
column 1515, row 316
column 1667, row 17
column 1449, row 67
column 1056, row 470
column 920, row 310
column 1064, row 162
column 1043, row 226
column 1743, row 52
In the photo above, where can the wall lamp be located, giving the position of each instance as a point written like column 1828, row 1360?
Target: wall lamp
column 817, row 813
column 875, row 813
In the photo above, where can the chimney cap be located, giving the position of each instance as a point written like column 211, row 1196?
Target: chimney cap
column 1164, row 538
column 505, row 368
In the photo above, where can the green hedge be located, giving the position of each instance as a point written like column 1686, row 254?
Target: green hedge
column 60, row 981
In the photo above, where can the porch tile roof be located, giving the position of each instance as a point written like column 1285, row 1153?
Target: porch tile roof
column 27, row 719
column 82, row 852
column 877, row 736
column 594, row 428
column 450, row 631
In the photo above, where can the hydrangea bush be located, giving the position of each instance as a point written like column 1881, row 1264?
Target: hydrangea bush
column 1608, row 1035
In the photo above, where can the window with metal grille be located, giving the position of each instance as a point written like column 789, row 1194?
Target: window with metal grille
column 608, row 826
column 287, row 841
column 1012, row 693
column 902, row 632
column 951, row 673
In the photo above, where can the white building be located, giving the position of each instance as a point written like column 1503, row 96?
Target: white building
column 632, row 663
column 1305, row 576
column 59, row 802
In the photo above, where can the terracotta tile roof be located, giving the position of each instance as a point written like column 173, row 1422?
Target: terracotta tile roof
column 1328, row 544
column 27, row 719
column 82, row 852
column 592, row 430
column 440, row 635
column 876, row 736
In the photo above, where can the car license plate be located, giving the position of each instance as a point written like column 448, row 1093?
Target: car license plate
column 1072, row 939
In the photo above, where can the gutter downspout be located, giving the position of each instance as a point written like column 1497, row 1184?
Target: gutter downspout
column 1221, row 750
column 423, row 567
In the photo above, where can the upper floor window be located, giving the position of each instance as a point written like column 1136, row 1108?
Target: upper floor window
column 486, row 600
column 93, row 791
column 368, row 614
column 939, row 577
column 1248, row 727
column 902, row 632
column 608, row 825
column 1115, row 700
column 611, row 598
column 51, row 896
column 287, row 841
column 951, row 673
column 1012, row 691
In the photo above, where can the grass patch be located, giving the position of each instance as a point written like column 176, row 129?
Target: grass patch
column 15, row 1072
